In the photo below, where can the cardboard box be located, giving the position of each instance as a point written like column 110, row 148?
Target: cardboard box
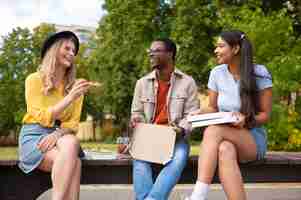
column 153, row 143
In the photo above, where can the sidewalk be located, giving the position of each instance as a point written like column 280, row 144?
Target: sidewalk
column 262, row 191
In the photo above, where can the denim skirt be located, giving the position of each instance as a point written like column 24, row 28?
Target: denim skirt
column 259, row 135
column 29, row 155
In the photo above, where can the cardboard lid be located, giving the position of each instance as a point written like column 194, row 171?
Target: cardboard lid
column 153, row 143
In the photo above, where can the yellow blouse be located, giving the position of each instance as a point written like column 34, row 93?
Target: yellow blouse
column 38, row 105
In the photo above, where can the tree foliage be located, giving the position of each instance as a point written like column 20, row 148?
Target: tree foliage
column 278, row 47
column 120, row 57
column 193, row 29
column 40, row 33
column 116, row 55
column 122, row 37
column 275, row 43
column 17, row 59
column 15, row 62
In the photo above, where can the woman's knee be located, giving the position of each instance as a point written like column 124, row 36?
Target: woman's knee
column 227, row 152
column 213, row 132
column 78, row 166
column 69, row 143
column 79, row 163
column 48, row 160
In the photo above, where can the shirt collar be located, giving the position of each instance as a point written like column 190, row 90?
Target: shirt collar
column 176, row 72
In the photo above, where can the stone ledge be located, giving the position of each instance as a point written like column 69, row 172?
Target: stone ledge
column 271, row 158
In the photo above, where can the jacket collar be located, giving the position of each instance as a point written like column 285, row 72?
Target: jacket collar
column 176, row 72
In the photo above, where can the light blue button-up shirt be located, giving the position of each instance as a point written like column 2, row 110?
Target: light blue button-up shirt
column 223, row 82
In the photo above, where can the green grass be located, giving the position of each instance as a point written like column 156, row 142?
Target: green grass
column 8, row 153
column 194, row 149
column 98, row 146
column 11, row 153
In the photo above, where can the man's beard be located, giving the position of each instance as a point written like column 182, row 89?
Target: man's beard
column 156, row 63
column 157, row 66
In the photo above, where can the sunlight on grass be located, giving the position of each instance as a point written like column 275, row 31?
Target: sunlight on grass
column 194, row 149
column 11, row 153
column 8, row 153
column 98, row 146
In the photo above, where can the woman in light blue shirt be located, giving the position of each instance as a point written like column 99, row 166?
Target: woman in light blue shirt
column 244, row 88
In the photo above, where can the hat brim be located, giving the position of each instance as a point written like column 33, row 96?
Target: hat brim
column 55, row 37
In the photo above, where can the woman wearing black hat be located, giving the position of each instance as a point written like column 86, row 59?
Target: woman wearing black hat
column 54, row 101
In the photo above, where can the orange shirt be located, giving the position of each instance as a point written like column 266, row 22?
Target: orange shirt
column 161, row 116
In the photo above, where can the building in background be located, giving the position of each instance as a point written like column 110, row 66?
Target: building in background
column 82, row 32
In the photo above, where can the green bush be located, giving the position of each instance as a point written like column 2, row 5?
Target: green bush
column 284, row 132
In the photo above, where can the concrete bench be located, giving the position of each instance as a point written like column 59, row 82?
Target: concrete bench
column 14, row 185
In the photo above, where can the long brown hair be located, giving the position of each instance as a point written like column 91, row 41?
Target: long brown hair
column 248, row 88
column 48, row 66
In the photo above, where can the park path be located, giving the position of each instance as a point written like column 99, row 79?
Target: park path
column 262, row 191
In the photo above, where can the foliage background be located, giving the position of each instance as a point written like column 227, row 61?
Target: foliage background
column 117, row 55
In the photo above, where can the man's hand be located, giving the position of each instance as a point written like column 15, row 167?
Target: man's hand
column 134, row 121
column 179, row 130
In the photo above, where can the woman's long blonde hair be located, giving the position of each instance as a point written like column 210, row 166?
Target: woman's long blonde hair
column 48, row 66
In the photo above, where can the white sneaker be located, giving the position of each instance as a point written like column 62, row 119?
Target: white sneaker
column 188, row 198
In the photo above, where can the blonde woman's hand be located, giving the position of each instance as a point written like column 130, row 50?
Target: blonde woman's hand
column 80, row 87
column 241, row 120
column 48, row 142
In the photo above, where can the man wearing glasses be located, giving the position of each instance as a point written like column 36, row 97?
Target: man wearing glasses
column 165, row 96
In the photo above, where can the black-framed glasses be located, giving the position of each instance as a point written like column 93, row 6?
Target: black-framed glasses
column 155, row 51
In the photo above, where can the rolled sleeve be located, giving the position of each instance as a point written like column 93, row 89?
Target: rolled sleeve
column 44, row 116
column 192, row 104
column 263, row 77
column 137, row 110
column 73, row 121
column 212, row 81
column 70, row 125
column 34, row 100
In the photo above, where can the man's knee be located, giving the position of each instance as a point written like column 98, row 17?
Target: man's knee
column 181, row 153
column 140, row 166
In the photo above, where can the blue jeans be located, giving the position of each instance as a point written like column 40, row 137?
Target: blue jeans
column 168, row 177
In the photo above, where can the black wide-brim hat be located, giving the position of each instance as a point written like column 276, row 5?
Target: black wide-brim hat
column 55, row 37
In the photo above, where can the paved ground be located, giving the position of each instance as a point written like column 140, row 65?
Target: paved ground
column 278, row 191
